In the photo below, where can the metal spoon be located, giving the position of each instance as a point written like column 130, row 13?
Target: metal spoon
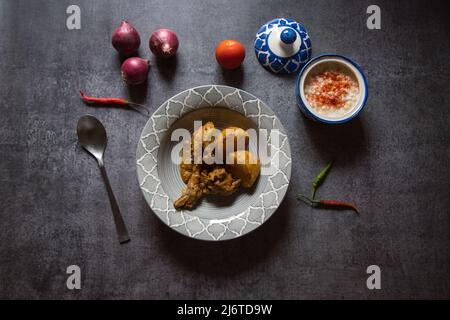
column 92, row 137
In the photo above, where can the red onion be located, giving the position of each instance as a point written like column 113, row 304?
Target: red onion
column 163, row 43
column 135, row 70
column 125, row 39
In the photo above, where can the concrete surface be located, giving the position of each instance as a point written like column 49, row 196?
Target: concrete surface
column 393, row 161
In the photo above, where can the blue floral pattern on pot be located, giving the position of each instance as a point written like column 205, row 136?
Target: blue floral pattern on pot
column 283, row 46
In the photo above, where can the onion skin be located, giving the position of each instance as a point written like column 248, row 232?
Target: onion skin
column 163, row 43
column 135, row 70
column 126, row 39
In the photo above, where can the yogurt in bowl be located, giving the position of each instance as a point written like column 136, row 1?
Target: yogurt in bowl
column 331, row 89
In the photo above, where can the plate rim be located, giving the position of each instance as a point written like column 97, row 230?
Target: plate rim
column 268, row 211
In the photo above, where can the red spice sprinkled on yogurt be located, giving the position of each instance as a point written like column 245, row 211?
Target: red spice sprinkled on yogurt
column 331, row 92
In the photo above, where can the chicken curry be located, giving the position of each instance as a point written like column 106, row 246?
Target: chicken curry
column 241, row 168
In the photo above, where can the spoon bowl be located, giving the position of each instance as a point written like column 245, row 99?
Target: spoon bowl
column 92, row 135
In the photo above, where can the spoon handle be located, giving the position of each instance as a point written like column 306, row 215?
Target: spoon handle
column 118, row 220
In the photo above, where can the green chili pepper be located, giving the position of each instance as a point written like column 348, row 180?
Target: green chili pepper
column 319, row 179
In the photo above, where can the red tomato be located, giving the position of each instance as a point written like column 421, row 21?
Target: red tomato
column 230, row 54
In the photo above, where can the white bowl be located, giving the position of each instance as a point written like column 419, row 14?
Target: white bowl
column 332, row 62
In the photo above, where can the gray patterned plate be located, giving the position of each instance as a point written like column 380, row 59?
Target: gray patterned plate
column 215, row 218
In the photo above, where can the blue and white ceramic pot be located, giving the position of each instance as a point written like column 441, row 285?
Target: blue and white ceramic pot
column 283, row 46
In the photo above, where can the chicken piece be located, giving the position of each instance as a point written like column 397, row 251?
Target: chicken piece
column 203, row 134
column 219, row 181
column 186, row 171
column 186, row 161
column 201, row 138
column 205, row 181
column 193, row 191
column 245, row 166
column 233, row 135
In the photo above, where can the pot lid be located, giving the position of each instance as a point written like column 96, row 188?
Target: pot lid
column 283, row 45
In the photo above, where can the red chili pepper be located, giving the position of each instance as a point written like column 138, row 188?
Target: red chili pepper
column 103, row 101
column 337, row 205
column 332, row 204
column 109, row 101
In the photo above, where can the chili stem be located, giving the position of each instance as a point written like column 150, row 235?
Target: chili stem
column 313, row 193
column 305, row 199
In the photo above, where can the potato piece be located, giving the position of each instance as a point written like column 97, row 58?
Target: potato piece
column 246, row 166
column 233, row 134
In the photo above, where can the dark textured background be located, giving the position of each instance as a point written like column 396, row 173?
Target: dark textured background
column 393, row 160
